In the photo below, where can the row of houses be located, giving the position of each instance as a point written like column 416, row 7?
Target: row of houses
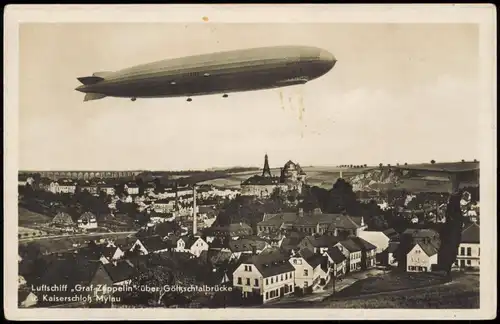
column 275, row 273
column 86, row 221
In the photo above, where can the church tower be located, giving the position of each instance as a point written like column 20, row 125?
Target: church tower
column 266, row 171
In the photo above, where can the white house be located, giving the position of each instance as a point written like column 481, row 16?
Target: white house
column 151, row 244
column 469, row 250
column 308, row 270
column 336, row 261
column 164, row 205
column 353, row 254
column 106, row 188
column 62, row 186
column 131, row 188
column 111, row 253
column 25, row 180
column 87, row 221
column 268, row 276
column 391, row 254
column 191, row 244
column 421, row 257
column 246, row 246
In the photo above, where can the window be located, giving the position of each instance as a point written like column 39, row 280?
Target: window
column 267, row 281
column 267, row 295
column 272, row 280
column 281, row 278
column 468, row 262
column 306, row 284
column 294, row 261
column 256, row 283
column 469, row 251
column 248, row 281
column 286, row 276
column 239, row 280
column 306, row 272
column 462, row 251
column 478, row 251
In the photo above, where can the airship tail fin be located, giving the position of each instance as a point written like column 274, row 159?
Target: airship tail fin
column 93, row 96
column 90, row 80
column 102, row 74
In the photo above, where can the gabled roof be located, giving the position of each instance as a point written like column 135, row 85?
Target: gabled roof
column 311, row 219
column 63, row 219
column 428, row 248
column 350, row 245
column 87, row 216
column 335, row 254
column 363, row 244
column 70, row 271
column 471, row 234
column 122, row 270
column 271, row 264
column 323, row 240
column 311, row 258
column 154, row 243
column 246, row 244
column 189, row 240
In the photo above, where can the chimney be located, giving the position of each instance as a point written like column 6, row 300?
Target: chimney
column 301, row 212
column 195, row 230
column 362, row 221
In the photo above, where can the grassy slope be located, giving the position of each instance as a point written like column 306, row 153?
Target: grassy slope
column 462, row 293
column 28, row 218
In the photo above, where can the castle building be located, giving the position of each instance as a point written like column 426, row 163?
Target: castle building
column 292, row 177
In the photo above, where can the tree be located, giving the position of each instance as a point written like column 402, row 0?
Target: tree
column 157, row 277
column 342, row 198
column 450, row 240
column 432, row 161
column 406, row 163
column 380, row 165
column 463, row 160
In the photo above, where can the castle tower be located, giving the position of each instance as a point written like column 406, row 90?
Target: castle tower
column 266, row 171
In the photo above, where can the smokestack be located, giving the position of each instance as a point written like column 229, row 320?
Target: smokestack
column 340, row 176
column 195, row 230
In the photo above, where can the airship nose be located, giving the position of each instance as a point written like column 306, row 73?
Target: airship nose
column 327, row 57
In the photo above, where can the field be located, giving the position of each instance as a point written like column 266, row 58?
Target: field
column 28, row 218
column 29, row 232
column 391, row 282
column 323, row 177
column 462, row 293
column 67, row 243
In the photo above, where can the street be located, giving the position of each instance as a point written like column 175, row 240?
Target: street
column 320, row 295
column 71, row 236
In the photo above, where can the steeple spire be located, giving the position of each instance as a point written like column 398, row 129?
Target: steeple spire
column 266, row 171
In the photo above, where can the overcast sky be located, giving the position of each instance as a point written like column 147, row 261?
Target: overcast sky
column 398, row 93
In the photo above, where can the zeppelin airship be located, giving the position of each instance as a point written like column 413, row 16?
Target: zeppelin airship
column 215, row 73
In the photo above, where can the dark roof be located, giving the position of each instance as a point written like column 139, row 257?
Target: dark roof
column 122, row 270
column 350, row 245
column 217, row 257
column 246, row 244
column 311, row 219
column 393, row 246
column 154, row 243
column 260, row 180
column 293, row 240
column 189, row 240
column 324, row 240
column 421, row 232
column 363, row 244
column 311, row 258
column 233, row 229
column 271, row 264
column 336, row 255
column 70, row 271
column 471, row 234
column 428, row 248
column 390, row 232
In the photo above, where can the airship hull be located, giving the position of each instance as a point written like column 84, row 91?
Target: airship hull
column 225, row 72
